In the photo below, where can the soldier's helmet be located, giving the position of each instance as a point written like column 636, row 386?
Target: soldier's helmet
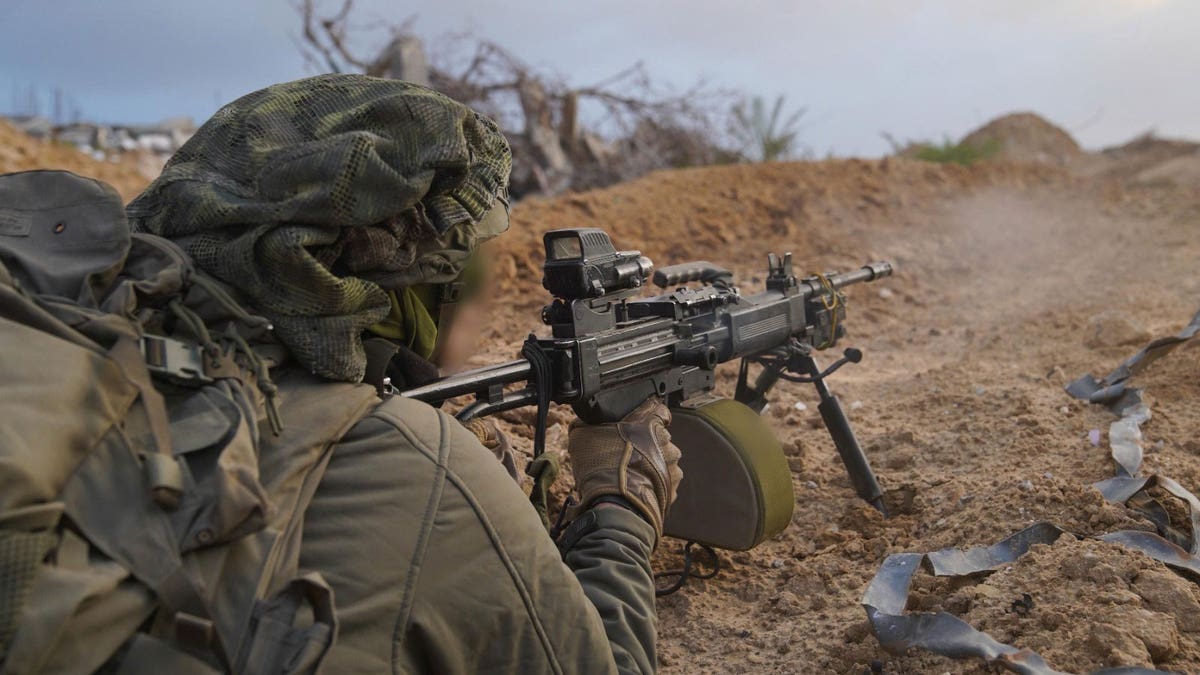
column 314, row 198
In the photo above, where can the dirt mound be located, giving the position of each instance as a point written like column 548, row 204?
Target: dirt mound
column 1150, row 159
column 739, row 213
column 1152, row 148
column 19, row 152
column 1182, row 171
column 1026, row 137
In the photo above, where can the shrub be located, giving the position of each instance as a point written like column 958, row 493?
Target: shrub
column 965, row 154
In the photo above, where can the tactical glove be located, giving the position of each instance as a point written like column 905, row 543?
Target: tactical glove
column 633, row 459
column 493, row 439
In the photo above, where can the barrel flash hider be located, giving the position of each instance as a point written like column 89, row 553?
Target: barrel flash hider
column 737, row 488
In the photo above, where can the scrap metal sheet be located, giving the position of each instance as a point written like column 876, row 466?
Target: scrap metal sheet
column 945, row 634
column 1193, row 503
column 960, row 562
column 1125, row 438
column 1122, row 489
column 1112, row 390
column 938, row 632
column 1158, row 548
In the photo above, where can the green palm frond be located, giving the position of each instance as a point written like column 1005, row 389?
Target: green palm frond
column 766, row 136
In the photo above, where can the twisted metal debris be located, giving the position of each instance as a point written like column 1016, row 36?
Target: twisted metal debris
column 945, row 634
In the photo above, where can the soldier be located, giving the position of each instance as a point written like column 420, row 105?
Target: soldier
column 346, row 210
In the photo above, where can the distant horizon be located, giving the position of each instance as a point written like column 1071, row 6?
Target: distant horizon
column 1106, row 71
column 1151, row 132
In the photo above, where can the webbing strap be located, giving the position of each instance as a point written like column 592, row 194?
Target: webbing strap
column 127, row 355
column 544, row 468
column 164, row 484
column 544, row 471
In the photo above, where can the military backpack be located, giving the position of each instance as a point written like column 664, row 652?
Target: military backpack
column 151, row 491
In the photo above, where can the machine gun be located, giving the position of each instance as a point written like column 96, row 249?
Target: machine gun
column 609, row 349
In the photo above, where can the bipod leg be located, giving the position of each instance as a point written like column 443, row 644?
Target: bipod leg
column 862, row 477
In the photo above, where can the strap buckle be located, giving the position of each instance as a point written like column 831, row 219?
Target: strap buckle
column 178, row 361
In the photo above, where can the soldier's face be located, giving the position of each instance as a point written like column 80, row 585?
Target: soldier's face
column 459, row 334
column 462, row 325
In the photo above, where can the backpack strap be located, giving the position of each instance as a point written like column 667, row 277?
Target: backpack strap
column 292, row 465
column 164, row 478
column 105, row 477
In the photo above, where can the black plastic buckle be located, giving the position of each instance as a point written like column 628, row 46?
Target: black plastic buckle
column 175, row 360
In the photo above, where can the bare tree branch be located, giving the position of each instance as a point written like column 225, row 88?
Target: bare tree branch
column 562, row 135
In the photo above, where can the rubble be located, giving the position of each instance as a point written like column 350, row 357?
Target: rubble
column 19, row 152
column 106, row 141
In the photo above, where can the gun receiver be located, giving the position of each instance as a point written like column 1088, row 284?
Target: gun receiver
column 608, row 351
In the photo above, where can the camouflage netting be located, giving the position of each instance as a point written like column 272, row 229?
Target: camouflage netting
column 312, row 197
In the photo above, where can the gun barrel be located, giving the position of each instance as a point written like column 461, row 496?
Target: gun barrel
column 471, row 381
column 868, row 272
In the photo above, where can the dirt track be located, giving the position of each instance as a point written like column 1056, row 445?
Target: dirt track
column 999, row 271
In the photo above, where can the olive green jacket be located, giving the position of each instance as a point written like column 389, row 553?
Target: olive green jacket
column 439, row 564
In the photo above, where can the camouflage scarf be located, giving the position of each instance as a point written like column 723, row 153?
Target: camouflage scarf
column 316, row 197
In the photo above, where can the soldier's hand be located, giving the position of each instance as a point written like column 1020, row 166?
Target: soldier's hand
column 493, row 439
column 633, row 459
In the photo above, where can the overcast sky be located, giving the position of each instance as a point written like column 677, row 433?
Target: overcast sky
column 1106, row 70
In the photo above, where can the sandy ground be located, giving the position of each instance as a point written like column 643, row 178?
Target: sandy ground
column 959, row 401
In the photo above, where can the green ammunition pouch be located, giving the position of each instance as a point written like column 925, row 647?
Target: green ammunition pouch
column 737, row 487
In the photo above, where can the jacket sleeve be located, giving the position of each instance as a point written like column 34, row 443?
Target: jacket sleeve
column 608, row 549
column 440, row 564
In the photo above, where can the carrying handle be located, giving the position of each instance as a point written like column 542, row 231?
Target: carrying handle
column 701, row 270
